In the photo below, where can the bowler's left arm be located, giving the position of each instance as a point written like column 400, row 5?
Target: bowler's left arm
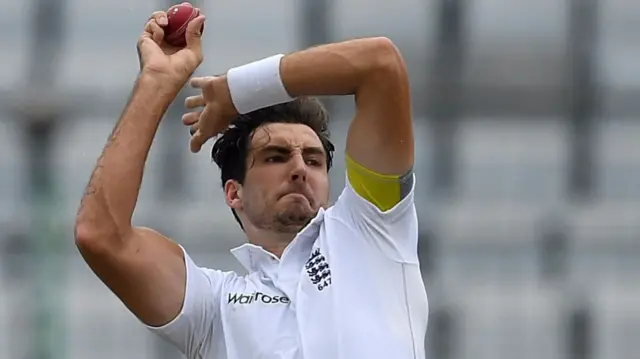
column 378, row 198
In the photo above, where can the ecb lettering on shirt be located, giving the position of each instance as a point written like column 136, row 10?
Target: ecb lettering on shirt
column 258, row 297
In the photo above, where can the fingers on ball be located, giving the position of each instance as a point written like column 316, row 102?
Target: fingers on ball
column 196, row 25
column 160, row 17
column 156, row 32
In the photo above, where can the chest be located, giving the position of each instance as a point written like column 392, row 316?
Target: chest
column 282, row 312
column 262, row 316
column 334, row 299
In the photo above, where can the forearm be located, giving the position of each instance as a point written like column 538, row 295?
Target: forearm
column 110, row 198
column 341, row 68
column 344, row 68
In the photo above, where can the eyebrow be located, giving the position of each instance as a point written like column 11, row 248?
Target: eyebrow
column 287, row 150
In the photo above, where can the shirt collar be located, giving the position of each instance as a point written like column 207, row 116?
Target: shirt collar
column 255, row 258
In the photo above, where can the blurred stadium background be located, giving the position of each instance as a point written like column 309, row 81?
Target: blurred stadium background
column 528, row 156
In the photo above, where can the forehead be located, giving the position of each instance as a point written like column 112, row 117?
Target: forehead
column 292, row 135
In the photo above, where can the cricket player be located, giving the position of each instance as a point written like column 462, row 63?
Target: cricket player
column 325, row 280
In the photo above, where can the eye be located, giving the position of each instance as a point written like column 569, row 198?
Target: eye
column 313, row 162
column 275, row 159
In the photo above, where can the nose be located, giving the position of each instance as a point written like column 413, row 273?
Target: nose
column 299, row 169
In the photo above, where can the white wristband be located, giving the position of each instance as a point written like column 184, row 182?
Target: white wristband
column 257, row 85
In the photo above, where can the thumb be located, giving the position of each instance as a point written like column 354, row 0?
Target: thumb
column 194, row 32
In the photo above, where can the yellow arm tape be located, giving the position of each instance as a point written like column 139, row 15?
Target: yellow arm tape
column 383, row 191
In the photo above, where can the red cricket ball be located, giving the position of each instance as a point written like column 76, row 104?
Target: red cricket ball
column 178, row 17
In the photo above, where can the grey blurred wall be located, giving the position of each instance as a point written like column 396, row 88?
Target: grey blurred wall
column 526, row 116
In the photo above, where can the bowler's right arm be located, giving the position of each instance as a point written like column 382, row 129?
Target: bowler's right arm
column 151, row 274
column 142, row 267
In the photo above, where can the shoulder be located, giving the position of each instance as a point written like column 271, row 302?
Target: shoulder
column 359, row 222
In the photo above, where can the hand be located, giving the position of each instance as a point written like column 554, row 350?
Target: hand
column 158, row 58
column 217, row 114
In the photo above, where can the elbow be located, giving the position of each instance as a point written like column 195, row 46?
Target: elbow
column 383, row 64
column 87, row 238
column 385, row 58
column 92, row 238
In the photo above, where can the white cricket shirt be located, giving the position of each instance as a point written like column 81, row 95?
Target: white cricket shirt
column 347, row 287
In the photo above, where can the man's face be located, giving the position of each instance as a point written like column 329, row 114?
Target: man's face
column 286, row 182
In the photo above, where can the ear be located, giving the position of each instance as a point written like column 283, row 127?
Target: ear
column 233, row 194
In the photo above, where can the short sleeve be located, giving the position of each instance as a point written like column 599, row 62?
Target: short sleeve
column 194, row 325
column 394, row 231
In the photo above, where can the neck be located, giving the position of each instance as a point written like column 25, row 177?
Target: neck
column 272, row 242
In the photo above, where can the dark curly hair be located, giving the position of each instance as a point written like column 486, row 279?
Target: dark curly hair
column 231, row 149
